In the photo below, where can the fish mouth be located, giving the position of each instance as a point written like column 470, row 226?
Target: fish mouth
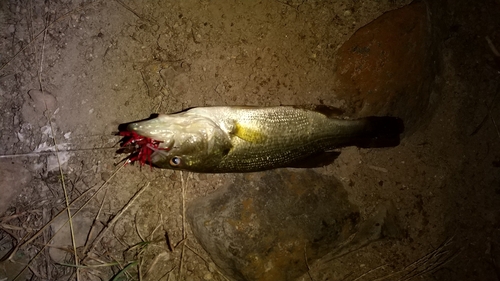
column 140, row 148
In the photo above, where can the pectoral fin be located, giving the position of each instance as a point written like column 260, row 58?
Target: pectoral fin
column 248, row 133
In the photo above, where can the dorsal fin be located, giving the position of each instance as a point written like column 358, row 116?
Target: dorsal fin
column 328, row 111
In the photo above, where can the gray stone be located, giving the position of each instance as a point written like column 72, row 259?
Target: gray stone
column 62, row 246
column 35, row 106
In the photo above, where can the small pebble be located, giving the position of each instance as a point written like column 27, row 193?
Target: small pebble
column 105, row 176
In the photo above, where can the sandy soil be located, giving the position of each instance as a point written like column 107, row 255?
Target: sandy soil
column 71, row 71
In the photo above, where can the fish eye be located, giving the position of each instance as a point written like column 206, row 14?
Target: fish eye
column 175, row 161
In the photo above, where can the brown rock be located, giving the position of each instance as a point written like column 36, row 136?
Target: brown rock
column 262, row 226
column 259, row 227
column 387, row 68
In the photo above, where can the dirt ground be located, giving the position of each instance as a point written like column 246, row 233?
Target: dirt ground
column 71, row 71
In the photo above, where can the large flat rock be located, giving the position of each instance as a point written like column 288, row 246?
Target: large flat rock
column 264, row 225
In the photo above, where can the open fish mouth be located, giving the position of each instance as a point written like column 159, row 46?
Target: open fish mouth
column 139, row 148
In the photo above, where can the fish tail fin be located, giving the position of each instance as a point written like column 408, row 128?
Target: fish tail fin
column 382, row 131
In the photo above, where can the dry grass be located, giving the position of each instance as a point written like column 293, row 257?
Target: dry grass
column 85, row 260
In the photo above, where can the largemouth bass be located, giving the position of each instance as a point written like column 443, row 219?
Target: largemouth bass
column 246, row 139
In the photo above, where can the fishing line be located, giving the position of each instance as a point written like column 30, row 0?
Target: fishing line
column 39, row 153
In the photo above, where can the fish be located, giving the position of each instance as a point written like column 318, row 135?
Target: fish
column 238, row 139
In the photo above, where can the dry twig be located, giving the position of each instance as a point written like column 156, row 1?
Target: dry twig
column 56, row 216
column 116, row 217
column 45, row 29
column 184, row 236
